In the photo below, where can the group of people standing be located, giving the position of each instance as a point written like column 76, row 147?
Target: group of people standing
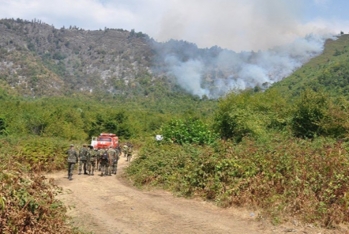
column 89, row 159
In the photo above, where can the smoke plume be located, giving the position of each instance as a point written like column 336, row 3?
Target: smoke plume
column 214, row 72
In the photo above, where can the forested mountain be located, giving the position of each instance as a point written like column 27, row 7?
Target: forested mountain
column 328, row 72
column 37, row 59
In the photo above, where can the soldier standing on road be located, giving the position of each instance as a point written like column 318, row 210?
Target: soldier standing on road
column 83, row 159
column 99, row 158
column 72, row 159
column 115, row 165
column 114, row 157
column 129, row 152
column 124, row 150
column 104, row 162
column 118, row 150
column 91, row 161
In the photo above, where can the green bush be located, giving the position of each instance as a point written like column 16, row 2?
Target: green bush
column 316, row 114
column 190, row 131
column 250, row 114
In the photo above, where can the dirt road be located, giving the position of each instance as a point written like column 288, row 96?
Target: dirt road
column 109, row 205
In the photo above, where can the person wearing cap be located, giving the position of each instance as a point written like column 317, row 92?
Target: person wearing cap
column 72, row 159
column 83, row 155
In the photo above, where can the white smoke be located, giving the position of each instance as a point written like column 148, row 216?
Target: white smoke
column 188, row 74
column 217, row 75
column 283, row 32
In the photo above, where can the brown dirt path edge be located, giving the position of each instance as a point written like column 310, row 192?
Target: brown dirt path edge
column 108, row 205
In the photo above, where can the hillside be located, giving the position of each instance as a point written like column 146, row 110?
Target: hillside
column 37, row 59
column 328, row 72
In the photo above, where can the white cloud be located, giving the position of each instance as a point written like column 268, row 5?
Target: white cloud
column 88, row 14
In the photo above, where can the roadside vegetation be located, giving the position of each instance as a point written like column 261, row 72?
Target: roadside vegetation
column 28, row 203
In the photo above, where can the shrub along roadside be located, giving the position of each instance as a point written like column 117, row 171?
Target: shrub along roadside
column 299, row 178
column 27, row 199
column 28, row 204
column 38, row 154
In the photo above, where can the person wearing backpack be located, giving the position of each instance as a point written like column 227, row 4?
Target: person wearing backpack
column 113, row 162
column 83, row 155
column 99, row 158
column 72, row 159
column 104, row 162
column 91, row 161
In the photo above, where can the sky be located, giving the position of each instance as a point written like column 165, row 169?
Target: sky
column 239, row 25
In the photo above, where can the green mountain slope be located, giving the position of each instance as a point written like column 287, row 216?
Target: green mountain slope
column 328, row 72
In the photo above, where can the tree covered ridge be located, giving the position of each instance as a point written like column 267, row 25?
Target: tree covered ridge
column 40, row 60
column 37, row 59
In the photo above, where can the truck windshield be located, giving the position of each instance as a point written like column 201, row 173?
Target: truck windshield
column 104, row 139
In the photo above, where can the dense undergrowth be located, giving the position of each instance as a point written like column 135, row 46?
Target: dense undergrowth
column 303, row 179
column 28, row 203
column 36, row 153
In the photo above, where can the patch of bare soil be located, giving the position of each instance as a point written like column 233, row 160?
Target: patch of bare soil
column 108, row 205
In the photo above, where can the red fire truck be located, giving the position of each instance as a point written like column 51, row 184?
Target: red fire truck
column 104, row 140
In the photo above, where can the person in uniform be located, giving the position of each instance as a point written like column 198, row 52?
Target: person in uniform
column 91, row 160
column 104, row 161
column 72, row 159
column 124, row 149
column 113, row 159
column 129, row 152
column 83, row 155
column 99, row 158
column 115, row 163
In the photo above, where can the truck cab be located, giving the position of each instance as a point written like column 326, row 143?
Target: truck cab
column 104, row 140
